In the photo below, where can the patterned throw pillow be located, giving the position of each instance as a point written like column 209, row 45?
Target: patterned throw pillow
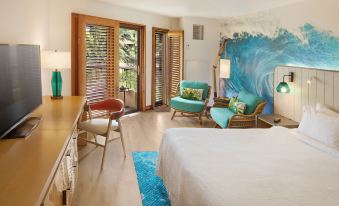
column 232, row 105
column 236, row 106
column 192, row 94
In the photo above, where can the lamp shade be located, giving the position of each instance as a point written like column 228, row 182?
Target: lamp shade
column 225, row 68
column 283, row 88
column 55, row 60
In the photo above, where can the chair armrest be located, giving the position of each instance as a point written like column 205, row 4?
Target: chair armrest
column 221, row 102
column 242, row 121
column 115, row 115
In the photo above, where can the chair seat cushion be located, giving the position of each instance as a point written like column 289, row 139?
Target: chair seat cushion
column 221, row 116
column 97, row 126
column 187, row 105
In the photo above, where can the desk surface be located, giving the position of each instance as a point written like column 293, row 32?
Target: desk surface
column 27, row 165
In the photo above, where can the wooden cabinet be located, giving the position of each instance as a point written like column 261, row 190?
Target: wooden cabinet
column 64, row 183
column 42, row 168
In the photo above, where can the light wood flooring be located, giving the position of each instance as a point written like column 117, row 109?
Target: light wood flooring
column 117, row 183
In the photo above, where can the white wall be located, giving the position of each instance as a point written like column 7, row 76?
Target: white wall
column 48, row 23
column 200, row 54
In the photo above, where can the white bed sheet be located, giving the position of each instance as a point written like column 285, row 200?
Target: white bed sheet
column 253, row 167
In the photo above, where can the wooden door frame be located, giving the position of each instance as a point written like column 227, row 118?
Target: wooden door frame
column 142, row 59
column 154, row 30
column 76, row 45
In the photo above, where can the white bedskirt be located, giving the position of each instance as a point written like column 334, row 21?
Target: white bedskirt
column 255, row 167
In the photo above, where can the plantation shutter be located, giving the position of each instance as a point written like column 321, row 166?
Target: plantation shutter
column 175, row 60
column 99, row 60
column 160, row 62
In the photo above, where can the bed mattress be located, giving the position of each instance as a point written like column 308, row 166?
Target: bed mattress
column 253, row 167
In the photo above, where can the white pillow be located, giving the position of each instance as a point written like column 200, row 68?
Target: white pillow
column 320, row 126
column 322, row 108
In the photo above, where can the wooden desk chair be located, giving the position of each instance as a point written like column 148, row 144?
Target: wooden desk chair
column 104, row 126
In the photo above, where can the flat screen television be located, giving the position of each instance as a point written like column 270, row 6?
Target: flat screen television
column 20, row 84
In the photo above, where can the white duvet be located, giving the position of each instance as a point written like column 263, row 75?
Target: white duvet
column 254, row 167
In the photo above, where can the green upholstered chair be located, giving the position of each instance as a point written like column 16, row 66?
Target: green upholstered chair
column 225, row 118
column 193, row 108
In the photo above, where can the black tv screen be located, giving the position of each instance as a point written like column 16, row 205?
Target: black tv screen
column 20, row 83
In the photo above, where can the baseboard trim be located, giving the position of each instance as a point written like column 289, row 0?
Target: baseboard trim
column 149, row 107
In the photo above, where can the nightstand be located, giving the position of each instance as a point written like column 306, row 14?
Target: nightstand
column 266, row 121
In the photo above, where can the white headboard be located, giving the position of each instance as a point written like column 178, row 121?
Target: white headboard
column 309, row 87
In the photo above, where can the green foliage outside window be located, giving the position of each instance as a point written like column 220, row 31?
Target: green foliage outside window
column 128, row 51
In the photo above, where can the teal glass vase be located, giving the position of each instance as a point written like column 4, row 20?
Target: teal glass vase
column 56, row 84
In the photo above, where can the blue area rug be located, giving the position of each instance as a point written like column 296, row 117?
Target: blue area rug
column 152, row 189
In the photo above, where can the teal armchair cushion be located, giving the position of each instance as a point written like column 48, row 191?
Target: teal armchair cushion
column 182, row 104
column 195, row 85
column 221, row 116
column 250, row 100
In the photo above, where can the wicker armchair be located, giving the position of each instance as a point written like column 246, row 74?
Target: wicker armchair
column 246, row 121
column 189, row 108
column 225, row 118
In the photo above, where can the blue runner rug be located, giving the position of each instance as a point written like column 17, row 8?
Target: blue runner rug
column 152, row 189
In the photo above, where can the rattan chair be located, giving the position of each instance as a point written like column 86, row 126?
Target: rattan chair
column 185, row 107
column 225, row 118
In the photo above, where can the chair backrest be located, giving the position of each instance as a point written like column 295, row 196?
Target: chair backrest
column 111, row 105
column 195, row 85
column 251, row 101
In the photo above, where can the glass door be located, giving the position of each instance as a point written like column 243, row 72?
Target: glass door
column 129, row 68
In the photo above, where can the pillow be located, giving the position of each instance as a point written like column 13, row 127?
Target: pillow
column 192, row 94
column 322, row 108
column 232, row 104
column 236, row 106
column 250, row 100
column 320, row 126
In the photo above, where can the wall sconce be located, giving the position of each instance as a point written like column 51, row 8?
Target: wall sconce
column 283, row 86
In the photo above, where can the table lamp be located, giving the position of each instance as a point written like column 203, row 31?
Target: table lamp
column 56, row 60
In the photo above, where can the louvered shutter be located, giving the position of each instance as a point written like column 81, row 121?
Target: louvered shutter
column 159, row 73
column 175, row 60
column 98, row 58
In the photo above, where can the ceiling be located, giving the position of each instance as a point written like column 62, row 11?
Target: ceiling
column 201, row 8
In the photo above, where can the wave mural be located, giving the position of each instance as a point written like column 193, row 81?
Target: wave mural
column 255, row 56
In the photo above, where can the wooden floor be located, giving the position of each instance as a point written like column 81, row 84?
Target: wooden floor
column 117, row 184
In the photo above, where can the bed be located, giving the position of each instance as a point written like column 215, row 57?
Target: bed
column 253, row 167
column 260, row 167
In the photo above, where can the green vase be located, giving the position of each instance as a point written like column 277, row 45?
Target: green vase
column 56, row 83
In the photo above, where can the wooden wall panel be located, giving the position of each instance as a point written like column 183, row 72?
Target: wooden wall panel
column 321, row 87
column 336, row 91
column 309, row 87
column 329, row 97
column 312, row 87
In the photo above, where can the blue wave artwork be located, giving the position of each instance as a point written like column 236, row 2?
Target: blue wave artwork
column 254, row 58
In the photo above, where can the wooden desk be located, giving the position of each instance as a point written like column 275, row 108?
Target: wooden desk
column 264, row 121
column 28, row 166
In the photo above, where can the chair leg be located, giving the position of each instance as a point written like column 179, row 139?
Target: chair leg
column 95, row 138
column 175, row 111
column 104, row 153
column 200, row 119
column 122, row 138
